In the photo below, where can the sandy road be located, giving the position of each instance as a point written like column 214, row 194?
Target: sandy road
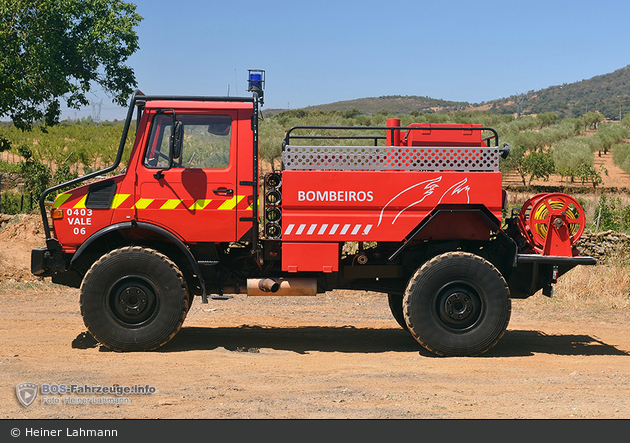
column 337, row 355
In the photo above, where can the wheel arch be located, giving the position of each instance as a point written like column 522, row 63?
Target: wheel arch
column 142, row 234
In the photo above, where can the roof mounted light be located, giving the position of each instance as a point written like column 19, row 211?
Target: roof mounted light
column 256, row 82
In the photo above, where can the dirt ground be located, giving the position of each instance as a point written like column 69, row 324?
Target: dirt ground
column 337, row 355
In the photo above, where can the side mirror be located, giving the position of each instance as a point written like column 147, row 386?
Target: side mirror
column 177, row 140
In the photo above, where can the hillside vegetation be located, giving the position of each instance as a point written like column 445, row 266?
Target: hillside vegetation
column 608, row 95
column 401, row 104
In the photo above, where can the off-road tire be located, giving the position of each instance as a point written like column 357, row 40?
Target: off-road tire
column 134, row 299
column 457, row 304
column 396, row 306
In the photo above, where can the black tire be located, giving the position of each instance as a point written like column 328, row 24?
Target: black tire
column 134, row 299
column 457, row 304
column 396, row 306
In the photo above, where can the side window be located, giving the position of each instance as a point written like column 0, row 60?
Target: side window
column 206, row 142
column 157, row 150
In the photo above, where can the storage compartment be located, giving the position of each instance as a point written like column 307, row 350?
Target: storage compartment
column 300, row 257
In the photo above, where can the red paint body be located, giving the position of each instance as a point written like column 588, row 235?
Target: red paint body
column 417, row 217
column 183, row 201
column 320, row 209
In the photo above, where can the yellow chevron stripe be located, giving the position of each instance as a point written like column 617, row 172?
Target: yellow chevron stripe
column 231, row 203
column 118, row 200
column 81, row 203
column 200, row 204
column 143, row 203
column 60, row 200
column 171, row 203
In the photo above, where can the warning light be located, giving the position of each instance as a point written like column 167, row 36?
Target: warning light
column 256, row 82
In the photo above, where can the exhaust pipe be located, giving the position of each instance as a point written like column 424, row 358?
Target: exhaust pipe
column 281, row 286
column 268, row 285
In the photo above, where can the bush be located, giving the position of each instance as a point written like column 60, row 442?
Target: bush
column 612, row 215
column 538, row 165
column 15, row 203
column 621, row 156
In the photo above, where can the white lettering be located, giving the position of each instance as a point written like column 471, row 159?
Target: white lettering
column 91, row 432
column 31, row 432
column 335, row 196
column 80, row 221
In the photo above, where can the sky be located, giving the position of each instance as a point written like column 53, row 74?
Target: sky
column 323, row 51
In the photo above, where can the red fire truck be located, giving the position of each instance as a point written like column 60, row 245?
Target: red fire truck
column 415, row 213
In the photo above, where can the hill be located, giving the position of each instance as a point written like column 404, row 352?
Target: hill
column 608, row 94
column 399, row 104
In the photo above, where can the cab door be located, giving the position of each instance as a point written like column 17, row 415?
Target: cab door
column 196, row 196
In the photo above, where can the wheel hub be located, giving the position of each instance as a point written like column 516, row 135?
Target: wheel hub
column 458, row 306
column 132, row 301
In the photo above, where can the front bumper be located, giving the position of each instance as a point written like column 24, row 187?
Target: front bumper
column 49, row 259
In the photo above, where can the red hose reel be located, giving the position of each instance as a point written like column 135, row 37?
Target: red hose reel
column 552, row 223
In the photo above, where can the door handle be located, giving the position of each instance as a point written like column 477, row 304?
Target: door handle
column 223, row 191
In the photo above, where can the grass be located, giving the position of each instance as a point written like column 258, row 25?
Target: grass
column 598, row 289
column 46, row 286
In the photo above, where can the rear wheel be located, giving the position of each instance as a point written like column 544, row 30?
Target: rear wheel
column 457, row 304
column 396, row 306
column 134, row 299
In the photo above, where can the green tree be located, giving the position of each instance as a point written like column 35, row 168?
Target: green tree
column 538, row 165
column 37, row 175
column 547, row 119
column 572, row 157
column 592, row 119
column 514, row 162
column 62, row 48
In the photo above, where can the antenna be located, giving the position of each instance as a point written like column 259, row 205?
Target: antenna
column 236, row 84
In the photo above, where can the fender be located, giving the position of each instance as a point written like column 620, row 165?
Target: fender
column 433, row 223
column 149, row 227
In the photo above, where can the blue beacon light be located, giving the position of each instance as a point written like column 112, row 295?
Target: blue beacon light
column 256, row 82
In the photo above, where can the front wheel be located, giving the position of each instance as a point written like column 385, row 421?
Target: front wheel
column 457, row 304
column 134, row 299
